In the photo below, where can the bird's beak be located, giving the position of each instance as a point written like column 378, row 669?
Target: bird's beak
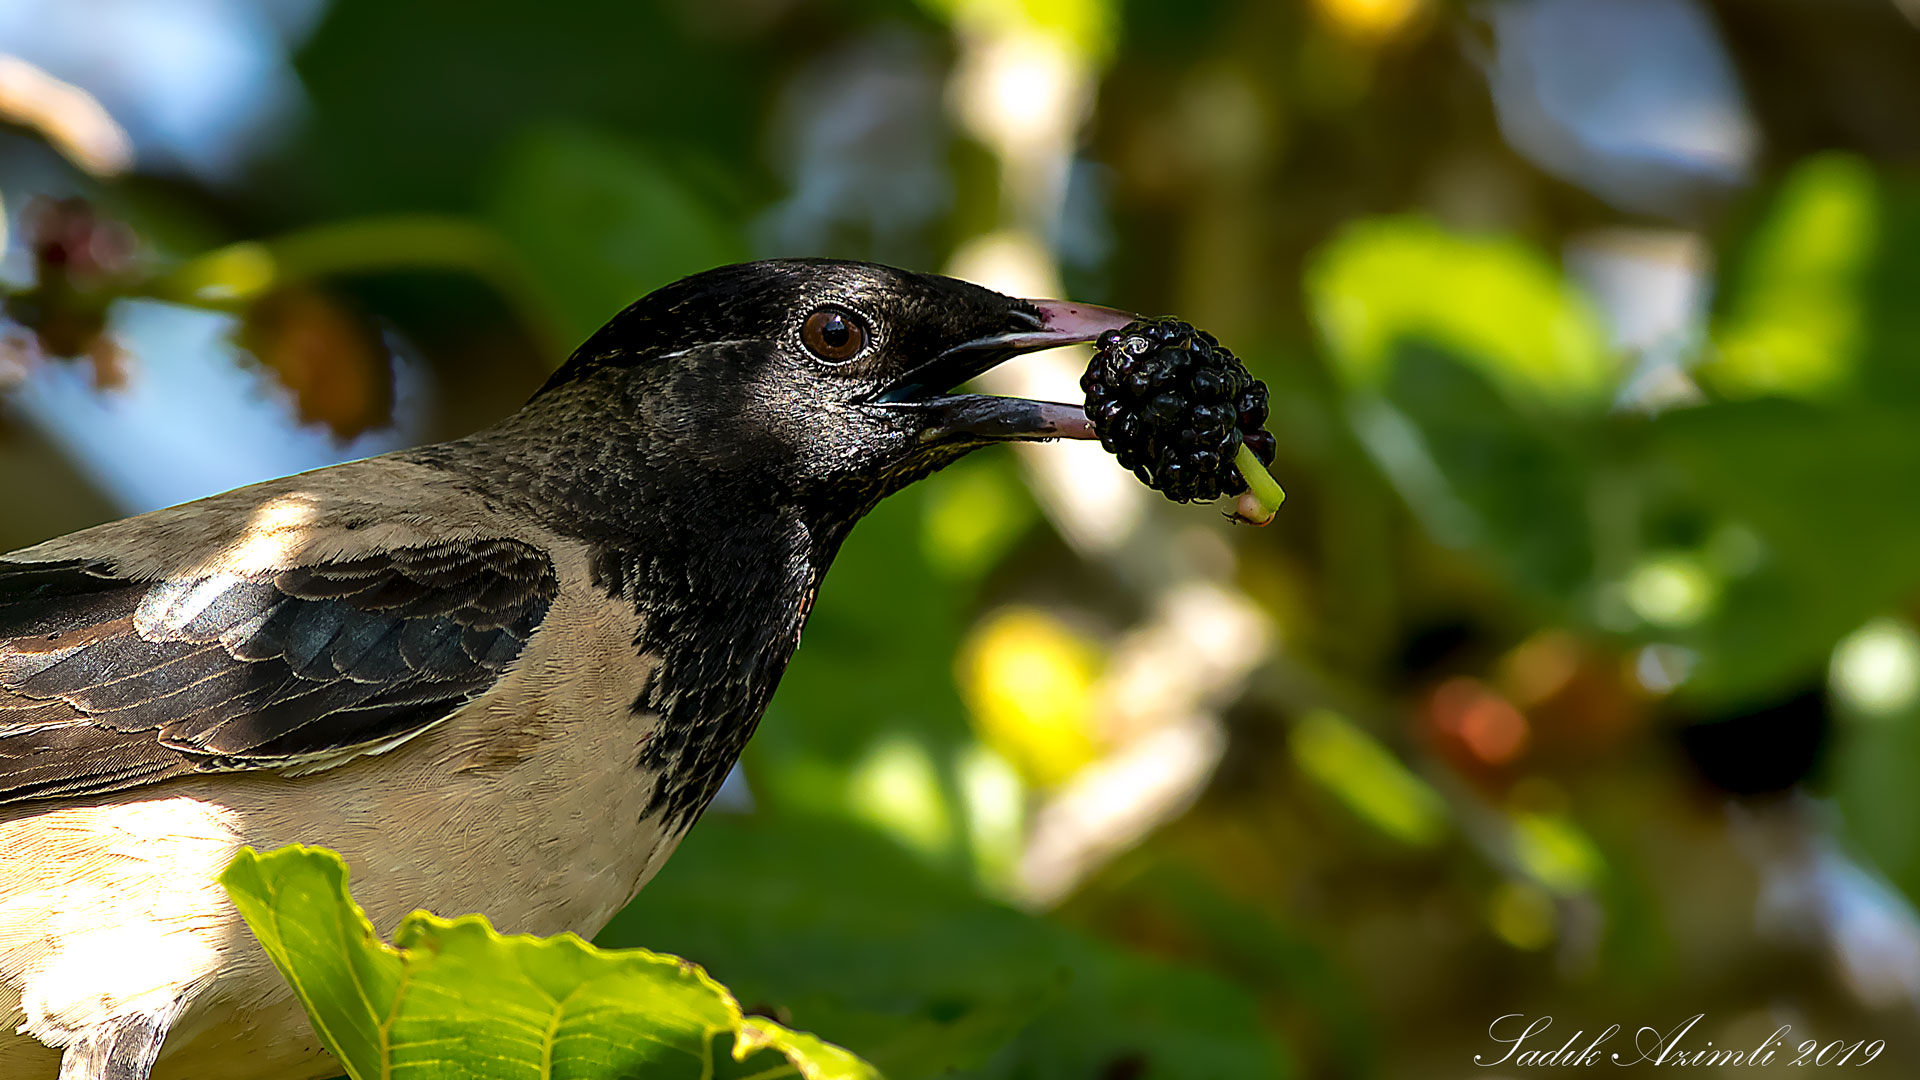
column 1041, row 324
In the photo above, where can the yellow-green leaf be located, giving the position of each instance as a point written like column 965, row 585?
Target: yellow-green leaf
column 454, row 999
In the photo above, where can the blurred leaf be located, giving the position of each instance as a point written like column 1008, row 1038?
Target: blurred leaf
column 859, row 942
column 1871, row 773
column 1481, row 473
column 1556, row 852
column 390, row 124
column 235, row 276
column 1496, row 303
column 452, row 998
column 329, row 357
column 1473, row 369
column 1889, row 372
column 898, row 789
column 1206, row 917
column 601, row 223
column 1086, row 26
column 1796, row 318
column 1824, row 492
column 1370, row 20
column 876, row 664
column 975, row 511
column 1819, row 297
column 1367, row 777
column 1817, row 346
column 1028, row 680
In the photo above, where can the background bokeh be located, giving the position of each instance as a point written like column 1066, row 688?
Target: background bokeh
column 1578, row 676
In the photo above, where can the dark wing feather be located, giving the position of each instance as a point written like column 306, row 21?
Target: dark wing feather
column 108, row 684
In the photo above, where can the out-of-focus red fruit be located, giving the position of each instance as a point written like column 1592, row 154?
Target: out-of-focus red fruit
column 1472, row 719
column 1577, row 695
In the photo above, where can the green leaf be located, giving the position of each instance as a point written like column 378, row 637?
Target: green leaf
column 1368, row 778
column 601, row 220
column 1797, row 316
column 1871, row 778
column 1823, row 490
column 858, row 940
column 392, row 126
column 1481, row 473
column 455, row 999
column 1087, row 28
column 1803, row 452
column 1476, row 376
column 1495, row 302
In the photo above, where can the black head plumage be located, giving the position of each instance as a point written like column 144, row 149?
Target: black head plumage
column 830, row 379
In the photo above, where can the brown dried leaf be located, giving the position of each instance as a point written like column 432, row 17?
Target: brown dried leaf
column 328, row 355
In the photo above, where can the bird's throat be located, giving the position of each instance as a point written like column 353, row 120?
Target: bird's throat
column 722, row 581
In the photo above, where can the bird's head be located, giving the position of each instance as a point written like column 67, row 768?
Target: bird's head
column 828, row 382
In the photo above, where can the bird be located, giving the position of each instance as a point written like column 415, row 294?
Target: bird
column 503, row 674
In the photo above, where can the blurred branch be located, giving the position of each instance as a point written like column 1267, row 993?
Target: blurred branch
column 231, row 278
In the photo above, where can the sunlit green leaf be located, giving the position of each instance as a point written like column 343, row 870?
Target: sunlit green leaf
column 974, row 511
column 1797, row 316
column 454, row 999
column 897, row 788
column 1823, row 493
column 1556, row 851
column 1495, row 302
column 1087, row 27
column 1368, row 778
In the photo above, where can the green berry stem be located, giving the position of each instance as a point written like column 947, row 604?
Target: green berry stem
column 1264, row 494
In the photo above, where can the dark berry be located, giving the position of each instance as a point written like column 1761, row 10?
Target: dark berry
column 1207, row 385
column 1165, row 410
column 1262, row 445
column 1253, row 407
column 1175, row 406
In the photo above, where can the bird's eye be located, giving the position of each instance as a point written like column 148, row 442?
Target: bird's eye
column 833, row 335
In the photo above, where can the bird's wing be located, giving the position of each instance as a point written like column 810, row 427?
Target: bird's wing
column 109, row 682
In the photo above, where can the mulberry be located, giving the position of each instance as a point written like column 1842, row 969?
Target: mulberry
column 1175, row 406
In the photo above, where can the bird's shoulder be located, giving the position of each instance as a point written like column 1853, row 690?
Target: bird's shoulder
column 339, row 513
column 295, row 623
